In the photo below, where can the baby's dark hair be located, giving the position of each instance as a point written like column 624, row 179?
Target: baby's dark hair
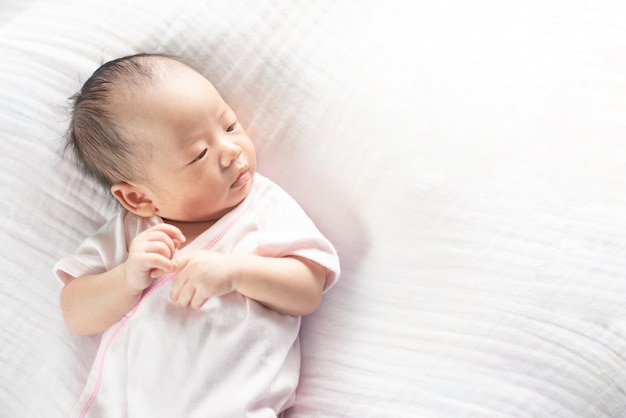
column 104, row 150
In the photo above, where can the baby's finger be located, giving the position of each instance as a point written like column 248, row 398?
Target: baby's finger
column 171, row 231
column 185, row 296
column 177, row 284
column 156, row 262
column 197, row 301
column 155, row 273
column 165, row 249
column 158, row 239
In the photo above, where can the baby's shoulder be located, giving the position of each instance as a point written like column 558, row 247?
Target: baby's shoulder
column 269, row 193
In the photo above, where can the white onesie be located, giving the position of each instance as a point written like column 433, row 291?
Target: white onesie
column 233, row 357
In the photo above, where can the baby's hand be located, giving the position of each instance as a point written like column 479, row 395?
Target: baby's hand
column 201, row 275
column 151, row 253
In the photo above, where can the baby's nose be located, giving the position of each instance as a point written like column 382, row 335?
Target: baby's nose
column 230, row 153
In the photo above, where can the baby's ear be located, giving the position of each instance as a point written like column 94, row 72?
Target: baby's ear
column 133, row 199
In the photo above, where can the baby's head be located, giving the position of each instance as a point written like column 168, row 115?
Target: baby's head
column 103, row 147
column 157, row 133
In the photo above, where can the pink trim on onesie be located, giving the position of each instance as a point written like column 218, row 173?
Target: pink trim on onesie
column 157, row 284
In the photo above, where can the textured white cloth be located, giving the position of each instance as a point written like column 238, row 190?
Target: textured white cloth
column 231, row 358
column 465, row 158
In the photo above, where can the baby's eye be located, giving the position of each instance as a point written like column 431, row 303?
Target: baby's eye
column 231, row 127
column 200, row 156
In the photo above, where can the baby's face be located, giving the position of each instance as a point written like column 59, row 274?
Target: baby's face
column 200, row 159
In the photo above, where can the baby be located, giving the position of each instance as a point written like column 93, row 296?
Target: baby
column 200, row 281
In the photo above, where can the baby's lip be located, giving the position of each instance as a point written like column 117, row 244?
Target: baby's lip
column 243, row 175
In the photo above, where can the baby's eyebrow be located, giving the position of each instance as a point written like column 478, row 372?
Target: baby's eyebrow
column 225, row 110
column 188, row 140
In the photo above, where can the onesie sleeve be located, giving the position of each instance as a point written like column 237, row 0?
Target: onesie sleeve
column 288, row 231
column 105, row 249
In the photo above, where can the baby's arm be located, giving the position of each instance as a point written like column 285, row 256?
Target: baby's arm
column 289, row 285
column 93, row 303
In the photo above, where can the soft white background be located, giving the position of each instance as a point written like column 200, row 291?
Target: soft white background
column 468, row 159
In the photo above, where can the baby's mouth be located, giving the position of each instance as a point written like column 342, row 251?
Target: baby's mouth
column 242, row 178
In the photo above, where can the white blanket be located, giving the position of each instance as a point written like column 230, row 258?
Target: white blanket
column 467, row 159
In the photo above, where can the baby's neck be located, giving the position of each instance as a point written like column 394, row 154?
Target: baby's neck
column 191, row 230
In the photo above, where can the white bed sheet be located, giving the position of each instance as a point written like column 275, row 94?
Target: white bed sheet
column 468, row 160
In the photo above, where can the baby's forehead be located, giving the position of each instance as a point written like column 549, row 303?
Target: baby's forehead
column 137, row 85
column 150, row 72
column 165, row 67
column 175, row 94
